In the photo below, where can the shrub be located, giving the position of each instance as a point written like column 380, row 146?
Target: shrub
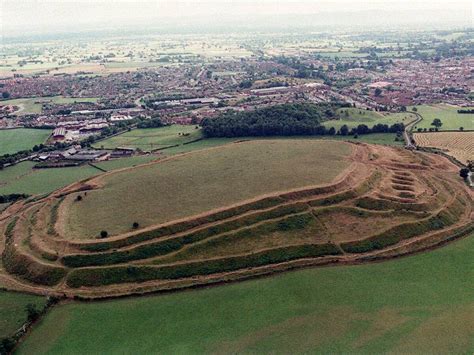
column 125, row 274
column 135, row 225
column 32, row 312
column 104, row 234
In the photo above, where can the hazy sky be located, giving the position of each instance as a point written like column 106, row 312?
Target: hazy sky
column 44, row 15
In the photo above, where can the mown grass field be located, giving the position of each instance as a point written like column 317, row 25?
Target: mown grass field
column 15, row 140
column 12, row 310
column 452, row 120
column 152, row 138
column 352, row 117
column 420, row 304
column 202, row 181
column 34, row 104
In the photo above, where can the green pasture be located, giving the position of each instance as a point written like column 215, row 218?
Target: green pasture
column 12, row 310
column 152, row 138
column 422, row 304
column 15, row 140
column 451, row 119
column 22, row 178
column 35, row 104
column 352, row 117
column 202, row 181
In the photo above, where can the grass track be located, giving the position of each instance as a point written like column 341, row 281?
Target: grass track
column 418, row 304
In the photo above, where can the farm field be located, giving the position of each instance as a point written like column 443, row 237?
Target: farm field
column 352, row 117
column 199, row 182
column 12, row 310
column 22, row 178
column 451, row 119
column 34, row 104
column 418, row 304
column 152, row 138
column 460, row 145
column 15, row 140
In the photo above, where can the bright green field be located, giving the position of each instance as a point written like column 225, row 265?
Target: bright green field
column 14, row 140
column 451, row 119
column 152, row 138
column 352, row 117
column 34, row 105
column 202, row 181
column 12, row 310
column 423, row 304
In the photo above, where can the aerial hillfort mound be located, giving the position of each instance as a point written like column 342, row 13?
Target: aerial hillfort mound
column 199, row 218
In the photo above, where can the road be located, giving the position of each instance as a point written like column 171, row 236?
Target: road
column 407, row 132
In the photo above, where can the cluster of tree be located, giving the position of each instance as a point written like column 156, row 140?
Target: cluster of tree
column 12, row 197
column 286, row 120
column 154, row 122
column 246, row 84
column 378, row 128
column 469, row 111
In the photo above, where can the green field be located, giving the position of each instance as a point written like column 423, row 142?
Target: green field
column 451, row 119
column 201, row 181
column 15, row 140
column 152, row 138
column 352, row 117
column 12, row 310
column 202, row 144
column 34, row 105
column 422, row 304
column 120, row 163
column 22, row 178
column 373, row 138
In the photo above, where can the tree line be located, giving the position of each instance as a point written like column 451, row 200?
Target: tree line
column 301, row 119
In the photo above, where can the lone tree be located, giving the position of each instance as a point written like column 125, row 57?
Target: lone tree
column 437, row 123
column 464, row 173
column 344, row 130
column 104, row 234
column 135, row 225
column 79, row 198
column 461, row 129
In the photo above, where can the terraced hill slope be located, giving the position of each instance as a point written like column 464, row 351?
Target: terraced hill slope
column 285, row 204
